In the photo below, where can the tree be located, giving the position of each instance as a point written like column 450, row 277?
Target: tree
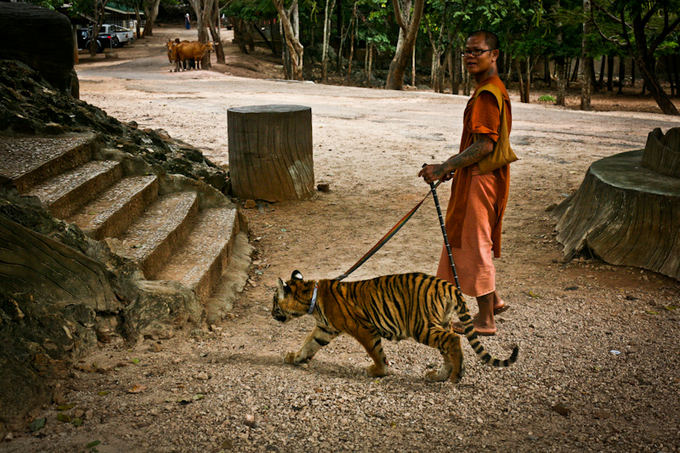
column 294, row 50
column 204, row 10
column 587, row 79
column 150, row 12
column 214, row 25
column 408, row 21
column 641, row 28
column 328, row 12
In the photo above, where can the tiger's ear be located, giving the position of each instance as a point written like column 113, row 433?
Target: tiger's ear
column 296, row 275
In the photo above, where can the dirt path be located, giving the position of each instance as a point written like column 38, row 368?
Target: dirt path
column 598, row 344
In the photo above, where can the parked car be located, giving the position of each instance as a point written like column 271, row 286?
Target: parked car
column 83, row 36
column 119, row 35
column 109, row 36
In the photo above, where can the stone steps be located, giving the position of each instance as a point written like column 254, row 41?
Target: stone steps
column 199, row 263
column 29, row 160
column 117, row 207
column 65, row 193
column 162, row 224
column 151, row 239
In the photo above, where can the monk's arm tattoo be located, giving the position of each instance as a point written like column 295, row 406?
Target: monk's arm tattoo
column 480, row 148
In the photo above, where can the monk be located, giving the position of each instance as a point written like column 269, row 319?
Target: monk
column 477, row 203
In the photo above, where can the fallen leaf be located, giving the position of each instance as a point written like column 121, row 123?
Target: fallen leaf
column 63, row 417
column 94, row 443
column 65, row 407
column 137, row 388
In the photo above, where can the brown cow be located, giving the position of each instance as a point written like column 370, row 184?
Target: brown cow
column 188, row 50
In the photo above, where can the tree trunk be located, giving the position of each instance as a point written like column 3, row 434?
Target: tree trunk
column 632, row 72
column 395, row 75
column 574, row 75
column 353, row 26
column 138, row 22
column 150, row 12
column 203, row 10
column 651, row 81
column 622, row 74
column 99, row 6
column 450, row 62
column 215, row 33
column 600, row 81
column 546, row 71
column 587, row 81
column 562, row 78
column 290, row 24
column 270, row 152
column 625, row 212
column 413, row 67
column 610, row 72
column 326, row 39
column 368, row 63
column 527, row 81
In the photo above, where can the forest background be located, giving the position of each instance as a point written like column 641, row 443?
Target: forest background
column 400, row 43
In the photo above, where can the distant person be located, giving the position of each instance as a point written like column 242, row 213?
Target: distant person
column 478, row 200
column 187, row 21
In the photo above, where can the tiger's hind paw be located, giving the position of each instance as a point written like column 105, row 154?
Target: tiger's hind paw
column 441, row 374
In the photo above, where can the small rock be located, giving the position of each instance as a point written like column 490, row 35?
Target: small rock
column 561, row 409
column 202, row 376
column 601, row 414
column 250, row 421
column 323, row 187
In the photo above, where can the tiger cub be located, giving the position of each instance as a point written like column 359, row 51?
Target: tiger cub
column 393, row 307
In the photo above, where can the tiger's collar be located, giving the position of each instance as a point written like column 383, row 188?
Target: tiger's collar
column 312, row 305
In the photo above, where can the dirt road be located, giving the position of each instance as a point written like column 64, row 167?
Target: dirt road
column 598, row 344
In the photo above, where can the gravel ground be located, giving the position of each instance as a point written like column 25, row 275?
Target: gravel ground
column 599, row 356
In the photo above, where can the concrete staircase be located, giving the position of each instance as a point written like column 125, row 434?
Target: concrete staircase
column 175, row 229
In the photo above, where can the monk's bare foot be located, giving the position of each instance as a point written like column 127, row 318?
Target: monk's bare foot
column 482, row 329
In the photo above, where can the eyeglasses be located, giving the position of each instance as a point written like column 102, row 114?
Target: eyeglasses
column 474, row 52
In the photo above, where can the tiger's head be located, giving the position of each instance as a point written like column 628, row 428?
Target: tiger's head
column 292, row 299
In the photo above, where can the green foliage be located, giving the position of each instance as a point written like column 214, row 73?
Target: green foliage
column 547, row 98
column 250, row 10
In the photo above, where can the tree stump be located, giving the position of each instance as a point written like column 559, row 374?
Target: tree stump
column 627, row 210
column 270, row 152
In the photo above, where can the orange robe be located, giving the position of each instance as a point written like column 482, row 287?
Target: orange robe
column 477, row 204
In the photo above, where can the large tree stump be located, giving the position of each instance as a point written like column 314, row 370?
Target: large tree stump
column 270, row 152
column 627, row 211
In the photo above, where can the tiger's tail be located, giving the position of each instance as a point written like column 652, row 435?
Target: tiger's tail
column 473, row 338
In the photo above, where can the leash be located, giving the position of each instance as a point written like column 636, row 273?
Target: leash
column 392, row 232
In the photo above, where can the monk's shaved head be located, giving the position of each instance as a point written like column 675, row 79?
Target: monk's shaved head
column 489, row 37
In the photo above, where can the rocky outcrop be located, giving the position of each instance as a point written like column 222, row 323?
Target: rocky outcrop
column 30, row 106
column 107, row 233
column 42, row 39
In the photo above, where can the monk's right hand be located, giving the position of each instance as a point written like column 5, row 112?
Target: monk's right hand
column 432, row 173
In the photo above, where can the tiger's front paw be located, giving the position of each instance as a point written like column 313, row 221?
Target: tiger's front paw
column 375, row 371
column 290, row 358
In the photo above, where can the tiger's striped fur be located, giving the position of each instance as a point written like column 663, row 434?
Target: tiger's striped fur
column 393, row 307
